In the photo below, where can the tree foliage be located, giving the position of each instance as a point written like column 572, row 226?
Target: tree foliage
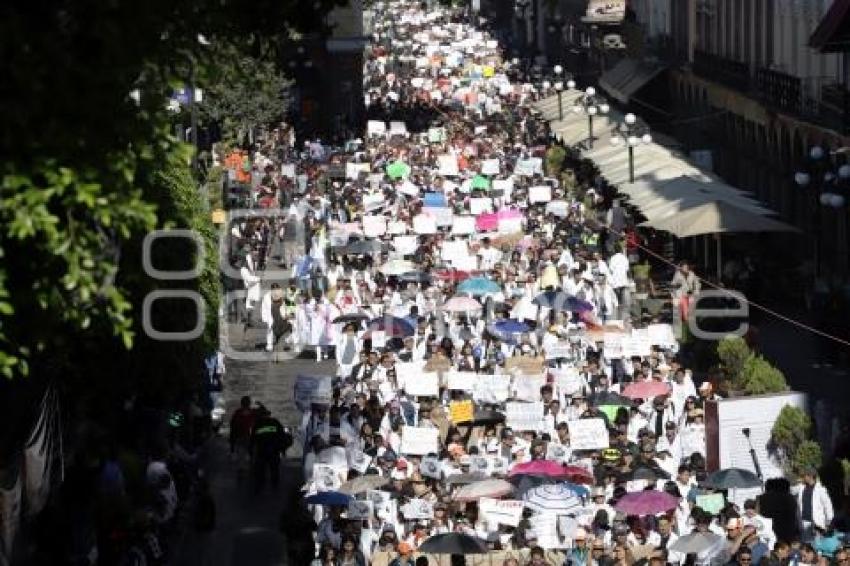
column 790, row 439
column 733, row 352
column 759, row 377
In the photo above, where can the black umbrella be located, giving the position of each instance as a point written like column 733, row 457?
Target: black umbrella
column 361, row 247
column 648, row 473
column 484, row 417
column 524, row 483
column 454, row 543
column 349, row 318
column 415, row 277
column 732, row 478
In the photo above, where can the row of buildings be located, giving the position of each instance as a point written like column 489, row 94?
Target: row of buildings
column 745, row 87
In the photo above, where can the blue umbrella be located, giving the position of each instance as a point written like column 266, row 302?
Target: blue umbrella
column 434, row 199
column 511, row 326
column 393, row 326
column 478, row 286
column 328, row 498
column 558, row 300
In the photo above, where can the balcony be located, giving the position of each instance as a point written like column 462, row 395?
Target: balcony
column 733, row 74
column 780, row 90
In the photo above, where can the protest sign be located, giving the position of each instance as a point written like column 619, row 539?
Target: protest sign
column 312, row 389
column 500, row 511
column 510, row 225
column 353, row 170
column 424, row 224
column 712, row 502
column 288, row 170
column 525, row 416
column 359, row 510
column 358, row 460
column 661, row 334
column 405, row 245
column 529, row 167
column 559, row 350
column 463, row 225
column 418, row 509
column 376, row 128
column 462, row 380
column 692, row 439
column 398, row 128
column 504, row 186
column 430, row 467
column 447, row 165
column 568, row 380
column 325, row 477
column 436, row 135
column 588, row 434
column 374, row 226
column 557, row 453
column 467, row 263
column 540, row 193
column 379, row 338
column 491, row 388
column 454, row 249
column 636, row 346
column 397, row 228
column 420, row 441
column 612, row 345
column 545, row 526
column 443, row 216
column 461, row 411
column 490, row 167
column 426, row 384
column 408, row 188
column 373, row 201
column 480, row 205
column 527, row 387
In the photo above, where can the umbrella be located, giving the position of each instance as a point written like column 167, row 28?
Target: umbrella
column 732, row 478
column 484, row 417
column 553, row 498
column 646, row 390
column 648, row 473
column 696, row 542
column 511, row 326
column 463, row 479
column 558, row 300
column 398, row 169
column 451, row 275
column 609, row 398
column 415, row 277
column 578, row 475
column 453, row 543
column 328, row 498
column 392, row 326
column 349, row 318
column 362, row 484
column 398, row 267
column 363, row 247
column 525, row 483
column 478, row 286
column 480, row 182
column 461, row 304
column 494, row 488
column 647, row 502
column 546, row 468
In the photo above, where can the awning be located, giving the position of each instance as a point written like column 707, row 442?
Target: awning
column 833, row 32
column 717, row 217
column 629, row 76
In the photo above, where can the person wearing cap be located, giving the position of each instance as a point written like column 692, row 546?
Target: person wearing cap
column 815, row 505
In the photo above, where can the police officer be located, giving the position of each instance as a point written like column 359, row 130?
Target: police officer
column 268, row 441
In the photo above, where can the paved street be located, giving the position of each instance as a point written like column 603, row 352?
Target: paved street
column 247, row 531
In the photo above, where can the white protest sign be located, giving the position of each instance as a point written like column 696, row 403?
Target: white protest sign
column 529, row 167
column 559, row 350
column 500, row 511
column 545, row 526
column 447, row 165
column 568, row 380
column 398, row 129
column 443, row 215
column 660, row 334
column 408, row 188
column 312, row 389
column 510, row 225
column 376, row 128
column 540, row 193
column 418, row 509
column 419, row 440
column 359, row 510
column 638, row 344
column 468, row 263
column 463, row 225
column 424, row 224
column 373, row 201
column 491, row 388
column 557, row 453
column 429, row 467
column 453, row 249
column 692, row 439
column 382, row 503
column 379, row 338
column 588, row 434
column 426, row 384
column 374, row 226
column 405, row 245
column 480, row 205
column 503, row 185
column 527, row 387
column 525, row 416
column 288, row 170
column 358, row 460
column 353, row 170
column 479, row 464
column 462, row 380
column 397, row 228
column 325, row 477
column 612, row 345
column 490, row 167
column 436, row 135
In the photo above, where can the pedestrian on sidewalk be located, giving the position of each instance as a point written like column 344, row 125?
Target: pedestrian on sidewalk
column 269, row 440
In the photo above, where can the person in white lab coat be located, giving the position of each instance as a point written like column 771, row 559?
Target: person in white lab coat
column 252, row 283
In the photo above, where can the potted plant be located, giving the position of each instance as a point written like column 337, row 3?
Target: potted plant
column 759, row 377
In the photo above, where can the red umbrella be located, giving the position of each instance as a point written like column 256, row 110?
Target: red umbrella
column 646, row 390
column 452, row 275
column 546, row 468
column 647, row 502
column 578, row 475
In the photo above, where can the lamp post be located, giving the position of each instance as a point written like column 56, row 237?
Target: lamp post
column 632, row 133
column 829, row 183
column 559, row 87
column 591, row 104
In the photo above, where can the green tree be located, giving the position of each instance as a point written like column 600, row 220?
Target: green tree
column 759, row 377
column 555, row 156
column 791, row 431
column 808, row 455
column 733, row 352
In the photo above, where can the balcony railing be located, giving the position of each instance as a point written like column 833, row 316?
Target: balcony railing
column 780, row 90
column 731, row 73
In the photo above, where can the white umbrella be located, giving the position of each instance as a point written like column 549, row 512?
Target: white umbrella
column 553, row 498
column 461, row 304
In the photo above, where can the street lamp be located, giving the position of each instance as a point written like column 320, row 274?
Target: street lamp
column 590, row 104
column 631, row 133
column 559, row 87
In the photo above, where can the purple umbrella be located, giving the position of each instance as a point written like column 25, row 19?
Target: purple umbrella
column 647, row 502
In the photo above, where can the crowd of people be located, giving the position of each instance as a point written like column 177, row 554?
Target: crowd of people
column 501, row 391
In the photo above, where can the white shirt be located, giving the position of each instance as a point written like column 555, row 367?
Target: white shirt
column 619, row 267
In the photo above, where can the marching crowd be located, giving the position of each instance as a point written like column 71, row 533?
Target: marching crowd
column 502, row 394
